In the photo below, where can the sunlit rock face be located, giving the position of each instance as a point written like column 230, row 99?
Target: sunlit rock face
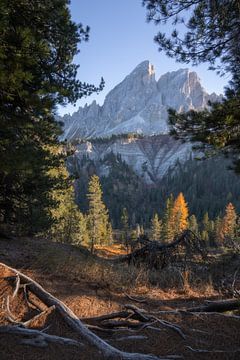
column 150, row 157
column 139, row 104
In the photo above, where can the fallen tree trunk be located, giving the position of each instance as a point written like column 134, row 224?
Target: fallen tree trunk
column 108, row 351
column 157, row 254
column 217, row 306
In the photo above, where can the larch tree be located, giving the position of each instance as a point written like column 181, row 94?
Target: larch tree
column 156, row 228
column 180, row 214
column 98, row 220
column 229, row 222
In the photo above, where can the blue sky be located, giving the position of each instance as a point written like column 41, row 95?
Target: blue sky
column 120, row 39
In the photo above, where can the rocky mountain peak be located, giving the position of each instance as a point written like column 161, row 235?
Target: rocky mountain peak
column 139, row 104
column 144, row 68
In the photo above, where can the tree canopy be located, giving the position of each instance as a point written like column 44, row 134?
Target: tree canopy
column 38, row 41
column 204, row 31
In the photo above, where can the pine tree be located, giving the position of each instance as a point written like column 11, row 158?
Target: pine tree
column 180, row 214
column 98, row 221
column 38, row 41
column 156, row 227
column 70, row 225
column 168, row 221
column 229, row 222
column 218, row 235
column 193, row 224
column 125, row 226
column 205, row 228
column 209, row 33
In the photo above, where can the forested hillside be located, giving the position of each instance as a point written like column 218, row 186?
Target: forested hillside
column 208, row 186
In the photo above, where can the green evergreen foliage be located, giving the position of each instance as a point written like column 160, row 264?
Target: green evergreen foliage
column 168, row 224
column 125, row 226
column 156, row 227
column 209, row 32
column 70, row 225
column 38, row 41
column 100, row 232
column 193, row 224
column 206, row 185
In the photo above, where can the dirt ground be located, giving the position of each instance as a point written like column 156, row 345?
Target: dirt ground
column 206, row 336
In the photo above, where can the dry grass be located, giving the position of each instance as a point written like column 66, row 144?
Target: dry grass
column 111, row 250
column 102, row 274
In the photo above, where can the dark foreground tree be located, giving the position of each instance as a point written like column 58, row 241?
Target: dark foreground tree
column 204, row 31
column 38, row 41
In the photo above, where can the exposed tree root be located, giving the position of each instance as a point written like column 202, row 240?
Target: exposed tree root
column 107, row 351
column 37, row 338
column 141, row 321
column 205, row 351
column 135, row 299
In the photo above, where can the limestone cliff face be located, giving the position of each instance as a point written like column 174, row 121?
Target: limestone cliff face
column 150, row 157
column 139, row 104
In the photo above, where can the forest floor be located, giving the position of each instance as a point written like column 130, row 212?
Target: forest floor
column 91, row 287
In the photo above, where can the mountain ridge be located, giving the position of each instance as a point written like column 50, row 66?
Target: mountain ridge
column 139, row 103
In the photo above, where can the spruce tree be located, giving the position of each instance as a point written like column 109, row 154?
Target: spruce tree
column 98, row 221
column 168, row 221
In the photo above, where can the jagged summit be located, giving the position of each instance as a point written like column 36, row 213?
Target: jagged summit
column 144, row 67
column 139, row 104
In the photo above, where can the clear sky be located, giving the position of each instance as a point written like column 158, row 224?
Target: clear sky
column 120, row 38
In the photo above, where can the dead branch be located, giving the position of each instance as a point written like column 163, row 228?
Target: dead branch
column 120, row 324
column 217, row 306
column 139, row 313
column 114, row 315
column 17, row 286
column 36, row 337
column 174, row 327
column 31, row 302
column 26, row 323
column 108, row 351
column 132, row 337
column 205, row 351
column 158, row 255
column 135, row 299
column 236, row 292
column 9, row 316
